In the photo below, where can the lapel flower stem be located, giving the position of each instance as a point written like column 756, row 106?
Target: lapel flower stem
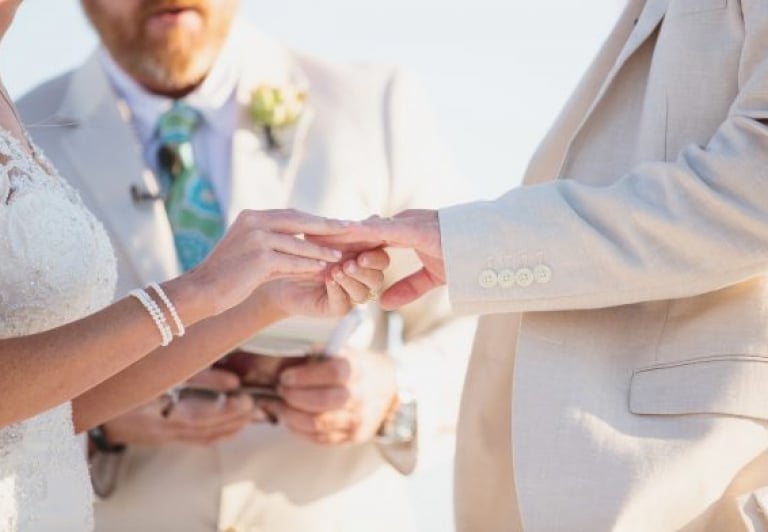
column 276, row 108
column 272, row 143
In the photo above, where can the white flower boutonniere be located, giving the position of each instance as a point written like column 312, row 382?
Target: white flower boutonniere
column 275, row 108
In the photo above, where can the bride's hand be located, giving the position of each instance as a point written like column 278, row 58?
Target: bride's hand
column 261, row 246
column 332, row 293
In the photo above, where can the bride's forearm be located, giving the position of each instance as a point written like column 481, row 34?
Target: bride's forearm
column 204, row 343
column 40, row 371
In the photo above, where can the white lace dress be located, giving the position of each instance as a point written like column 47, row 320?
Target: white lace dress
column 56, row 266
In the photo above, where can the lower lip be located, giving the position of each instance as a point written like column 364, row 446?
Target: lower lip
column 187, row 18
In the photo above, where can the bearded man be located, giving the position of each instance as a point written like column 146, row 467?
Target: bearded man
column 182, row 92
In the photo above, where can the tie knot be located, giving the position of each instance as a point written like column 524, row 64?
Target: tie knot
column 177, row 124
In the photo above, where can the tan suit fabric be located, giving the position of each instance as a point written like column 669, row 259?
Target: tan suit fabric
column 364, row 145
column 637, row 328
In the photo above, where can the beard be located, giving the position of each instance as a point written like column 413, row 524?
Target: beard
column 175, row 59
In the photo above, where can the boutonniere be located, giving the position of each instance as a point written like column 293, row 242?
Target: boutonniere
column 275, row 109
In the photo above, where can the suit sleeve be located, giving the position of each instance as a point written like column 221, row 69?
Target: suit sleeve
column 436, row 345
column 665, row 230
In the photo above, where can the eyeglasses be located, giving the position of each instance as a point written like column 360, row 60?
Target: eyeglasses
column 188, row 392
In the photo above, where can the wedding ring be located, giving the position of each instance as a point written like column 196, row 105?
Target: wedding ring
column 373, row 296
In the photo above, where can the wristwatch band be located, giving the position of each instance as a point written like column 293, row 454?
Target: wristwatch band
column 401, row 424
column 105, row 462
column 100, row 440
column 397, row 438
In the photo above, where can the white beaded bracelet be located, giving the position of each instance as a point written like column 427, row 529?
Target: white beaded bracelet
column 180, row 330
column 156, row 313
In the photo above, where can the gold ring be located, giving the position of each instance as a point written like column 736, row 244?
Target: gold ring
column 372, row 296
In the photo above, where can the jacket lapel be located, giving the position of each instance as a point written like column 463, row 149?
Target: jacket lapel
column 647, row 22
column 107, row 157
column 546, row 161
column 650, row 17
column 262, row 178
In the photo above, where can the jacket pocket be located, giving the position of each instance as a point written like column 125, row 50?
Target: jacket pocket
column 734, row 385
column 683, row 7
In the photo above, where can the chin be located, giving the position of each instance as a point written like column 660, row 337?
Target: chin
column 161, row 79
column 168, row 75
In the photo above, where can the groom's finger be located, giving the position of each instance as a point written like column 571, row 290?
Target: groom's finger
column 407, row 290
column 403, row 231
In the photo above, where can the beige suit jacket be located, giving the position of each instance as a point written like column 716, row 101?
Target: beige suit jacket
column 365, row 145
column 621, row 382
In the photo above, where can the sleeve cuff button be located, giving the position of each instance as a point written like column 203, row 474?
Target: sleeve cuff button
column 542, row 273
column 488, row 278
column 524, row 277
column 506, row 278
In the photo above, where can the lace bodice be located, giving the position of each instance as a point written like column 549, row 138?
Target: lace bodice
column 56, row 266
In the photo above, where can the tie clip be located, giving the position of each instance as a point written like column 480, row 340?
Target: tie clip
column 143, row 196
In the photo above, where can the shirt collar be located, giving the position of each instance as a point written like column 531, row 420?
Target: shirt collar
column 214, row 98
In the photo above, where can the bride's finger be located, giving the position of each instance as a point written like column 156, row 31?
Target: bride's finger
column 371, row 278
column 358, row 292
column 296, row 222
column 287, row 265
column 291, row 245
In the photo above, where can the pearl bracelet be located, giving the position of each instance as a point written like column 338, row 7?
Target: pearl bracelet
column 170, row 306
column 156, row 313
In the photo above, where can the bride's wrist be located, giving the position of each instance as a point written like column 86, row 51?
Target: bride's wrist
column 189, row 299
column 266, row 300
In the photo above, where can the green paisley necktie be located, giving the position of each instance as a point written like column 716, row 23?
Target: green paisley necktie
column 193, row 210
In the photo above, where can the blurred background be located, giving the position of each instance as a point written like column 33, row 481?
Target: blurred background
column 497, row 73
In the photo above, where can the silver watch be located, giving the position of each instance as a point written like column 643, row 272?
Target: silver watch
column 401, row 426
